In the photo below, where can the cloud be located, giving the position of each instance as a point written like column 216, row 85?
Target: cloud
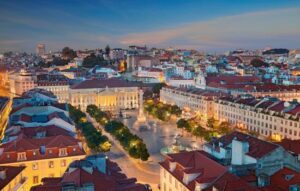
column 225, row 32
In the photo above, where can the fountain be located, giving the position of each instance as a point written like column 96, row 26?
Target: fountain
column 176, row 147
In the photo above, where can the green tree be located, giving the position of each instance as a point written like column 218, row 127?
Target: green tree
column 182, row 123
column 157, row 87
column 68, row 53
column 211, row 123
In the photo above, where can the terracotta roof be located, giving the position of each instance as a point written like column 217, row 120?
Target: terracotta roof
column 10, row 173
column 257, row 148
column 291, row 145
column 230, row 182
column 283, row 179
column 32, row 147
column 195, row 162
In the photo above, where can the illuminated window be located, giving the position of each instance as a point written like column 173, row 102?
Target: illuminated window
column 63, row 152
column 35, row 166
column 35, row 180
column 63, row 163
column 51, row 164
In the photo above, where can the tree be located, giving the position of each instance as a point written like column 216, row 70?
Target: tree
column 199, row 132
column 182, row 124
column 211, row 123
column 107, row 50
column 257, row 62
column 93, row 60
column 224, row 128
column 157, row 87
column 68, row 53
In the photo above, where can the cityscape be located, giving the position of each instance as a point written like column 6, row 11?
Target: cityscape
column 141, row 95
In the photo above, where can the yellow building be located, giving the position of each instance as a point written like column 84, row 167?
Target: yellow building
column 41, row 155
column 12, row 178
column 108, row 94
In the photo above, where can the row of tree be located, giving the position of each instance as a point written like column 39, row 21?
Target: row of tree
column 215, row 128
column 160, row 110
column 130, row 142
column 94, row 138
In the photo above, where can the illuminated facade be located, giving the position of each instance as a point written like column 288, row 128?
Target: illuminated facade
column 21, row 82
column 269, row 117
column 108, row 94
column 194, row 100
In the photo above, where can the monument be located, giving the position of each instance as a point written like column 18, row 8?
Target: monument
column 141, row 116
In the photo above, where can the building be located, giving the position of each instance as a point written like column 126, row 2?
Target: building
column 179, row 81
column 43, row 155
column 108, row 94
column 243, row 153
column 117, row 54
column 269, row 117
column 21, row 82
column 195, row 101
column 40, row 49
column 151, row 73
column 94, row 173
column 12, row 178
column 185, row 171
column 5, row 105
column 55, row 83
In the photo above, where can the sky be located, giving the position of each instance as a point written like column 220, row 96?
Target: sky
column 212, row 25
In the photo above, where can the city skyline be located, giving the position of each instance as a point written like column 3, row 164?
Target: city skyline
column 205, row 26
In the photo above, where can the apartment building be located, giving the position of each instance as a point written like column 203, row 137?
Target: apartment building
column 196, row 101
column 267, row 116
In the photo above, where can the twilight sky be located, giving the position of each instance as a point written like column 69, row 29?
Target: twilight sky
column 203, row 25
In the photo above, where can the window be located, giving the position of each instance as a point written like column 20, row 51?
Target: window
column 63, row 163
column 35, row 180
column 21, row 156
column 51, row 164
column 63, row 152
column 35, row 166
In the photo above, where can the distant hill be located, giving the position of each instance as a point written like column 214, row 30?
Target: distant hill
column 276, row 51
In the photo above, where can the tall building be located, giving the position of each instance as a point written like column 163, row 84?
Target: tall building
column 40, row 49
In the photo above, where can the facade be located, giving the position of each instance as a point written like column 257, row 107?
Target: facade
column 151, row 73
column 179, row 81
column 21, row 82
column 198, row 101
column 57, row 84
column 12, row 178
column 269, row 117
column 108, row 94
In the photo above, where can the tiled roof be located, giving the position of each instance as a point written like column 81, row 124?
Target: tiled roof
column 257, row 148
column 291, row 145
column 10, row 173
column 230, row 182
column 32, row 147
column 283, row 179
column 193, row 162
